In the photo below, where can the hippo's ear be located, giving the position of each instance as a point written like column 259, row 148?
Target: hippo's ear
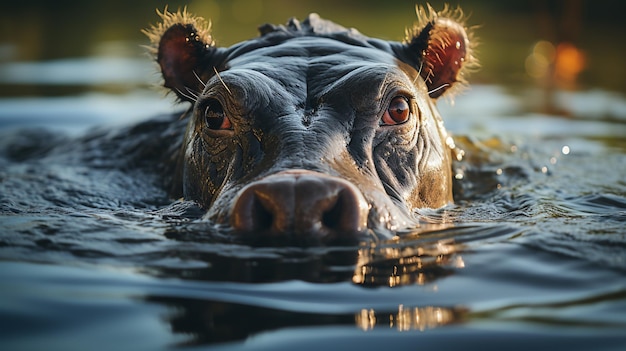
column 440, row 48
column 184, row 49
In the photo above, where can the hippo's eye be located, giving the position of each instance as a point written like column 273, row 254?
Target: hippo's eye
column 215, row 117
column 398, row 112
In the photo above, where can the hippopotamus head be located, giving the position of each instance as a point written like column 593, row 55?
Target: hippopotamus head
column 313, row 133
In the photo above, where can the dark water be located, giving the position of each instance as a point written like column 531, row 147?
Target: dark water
column 533, row 253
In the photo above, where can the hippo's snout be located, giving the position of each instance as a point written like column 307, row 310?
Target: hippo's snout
column 302, row 207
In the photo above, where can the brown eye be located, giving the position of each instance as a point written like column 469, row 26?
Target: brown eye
column 398, row 112
column 215, row 117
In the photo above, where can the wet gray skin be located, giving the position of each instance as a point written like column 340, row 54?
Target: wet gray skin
column 312, row 133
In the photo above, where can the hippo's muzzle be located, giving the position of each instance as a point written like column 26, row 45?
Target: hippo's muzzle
column 300, row 206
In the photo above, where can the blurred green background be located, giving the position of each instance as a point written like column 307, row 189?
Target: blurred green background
column 42, row 30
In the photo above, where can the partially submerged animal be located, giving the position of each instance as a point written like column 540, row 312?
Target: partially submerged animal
column 313, row 133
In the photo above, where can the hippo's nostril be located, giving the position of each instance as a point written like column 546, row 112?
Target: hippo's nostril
column 253, row 211
column 343, row 213
column 332, row 216
column 261, row 214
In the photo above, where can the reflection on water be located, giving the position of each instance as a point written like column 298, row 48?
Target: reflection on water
column 415, row 318
column 423, row 257
column 408, row 261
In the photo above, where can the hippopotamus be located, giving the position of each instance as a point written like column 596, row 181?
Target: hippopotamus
column 312, row 133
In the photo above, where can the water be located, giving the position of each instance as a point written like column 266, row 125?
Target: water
column 96, row 256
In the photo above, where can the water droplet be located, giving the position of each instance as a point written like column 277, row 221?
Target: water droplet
column 544, row 169
column 565, row 150
column 450, row 142
column 553, row 160
column 499, row 171
column 458, row 44
column 459, row 262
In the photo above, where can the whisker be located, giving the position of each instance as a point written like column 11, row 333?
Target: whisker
column 199, row 79
column 419, row 72
column 439, row 88
column 382, row 86
column 192, row 93
column 429, row 76
column 221, row 80
column 190, row 97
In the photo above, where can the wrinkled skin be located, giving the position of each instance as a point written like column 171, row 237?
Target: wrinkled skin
column 311, row 133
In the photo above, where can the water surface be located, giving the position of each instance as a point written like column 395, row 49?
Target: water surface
column 531, row 254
